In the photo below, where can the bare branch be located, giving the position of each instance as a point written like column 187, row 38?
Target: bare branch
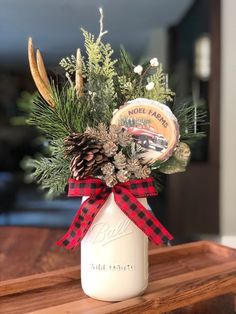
column 101, row 33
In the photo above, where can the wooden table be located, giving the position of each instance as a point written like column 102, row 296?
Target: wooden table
column 37, row 277
column 27, row 251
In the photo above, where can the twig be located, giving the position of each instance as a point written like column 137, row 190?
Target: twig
column 101, row 33
column 69, row 79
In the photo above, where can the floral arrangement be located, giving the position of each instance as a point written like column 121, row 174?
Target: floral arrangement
column 75, row 118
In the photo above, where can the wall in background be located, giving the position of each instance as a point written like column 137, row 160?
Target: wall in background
column 228, row 123
column 157, row 46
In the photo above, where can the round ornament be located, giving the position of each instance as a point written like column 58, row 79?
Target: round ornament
column 152, row 124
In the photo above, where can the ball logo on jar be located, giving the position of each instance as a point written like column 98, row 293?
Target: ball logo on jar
column 104, row 232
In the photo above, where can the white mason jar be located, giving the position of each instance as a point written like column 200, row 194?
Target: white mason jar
column 114, row 255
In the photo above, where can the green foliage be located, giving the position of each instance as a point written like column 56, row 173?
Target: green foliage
column 190, row 117
column 100, row 74
column 132, row 85
column 160, row 92
column 51, row 172
column 68, row 64
column 127, row 80
column 24, row 104
column 125, row 62
column 71, row 114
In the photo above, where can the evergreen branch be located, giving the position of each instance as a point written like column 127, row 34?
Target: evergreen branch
column 125, row 63
column 68, row 64
column 160, row 92
column 191, row 117
column 50, row 172
column 24, row 104
column 69, row 114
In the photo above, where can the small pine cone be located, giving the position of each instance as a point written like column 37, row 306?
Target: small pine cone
column 114, row 132
column 108, row 169
column 125, row 138
column 115, row 129
column 133, row 165
column 110, row 148
column 123, row 175
column 113, row 137
column 143, row 172
column 91, row 132
column 102, row 132
column 111, row 180
column 120, row 161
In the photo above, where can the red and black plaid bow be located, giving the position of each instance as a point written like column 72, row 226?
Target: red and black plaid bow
column 125, row 195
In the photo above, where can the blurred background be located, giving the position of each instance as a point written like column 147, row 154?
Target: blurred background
column 195, row 40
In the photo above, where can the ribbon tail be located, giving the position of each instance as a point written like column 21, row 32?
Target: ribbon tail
column 82, row 221
column 141, row 217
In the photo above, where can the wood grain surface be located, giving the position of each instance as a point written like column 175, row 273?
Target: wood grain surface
column 190, row 277
column 28, row 251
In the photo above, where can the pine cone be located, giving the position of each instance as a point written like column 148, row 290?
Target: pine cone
column 123, row 175
column 114, row 131
column 113, row 137
column 75, row 140
column 120, row 161
column 102, row 133
column 110, row 180
column 110, row 148
column 88, row 155
column 91, row 132
column 125, row 138
column 143, row 172
column 133, row 165
column 108, row 169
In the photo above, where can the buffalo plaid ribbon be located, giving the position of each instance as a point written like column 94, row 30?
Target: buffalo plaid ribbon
column 125, row 195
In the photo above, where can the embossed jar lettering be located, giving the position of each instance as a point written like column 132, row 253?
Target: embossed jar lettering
column 104, row 232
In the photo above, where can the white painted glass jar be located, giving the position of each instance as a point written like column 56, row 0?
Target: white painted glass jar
column 114, row 255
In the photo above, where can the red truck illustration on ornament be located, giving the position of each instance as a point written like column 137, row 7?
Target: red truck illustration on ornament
column 148, row 138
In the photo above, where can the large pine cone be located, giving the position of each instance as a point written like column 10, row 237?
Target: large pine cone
column 88, row 155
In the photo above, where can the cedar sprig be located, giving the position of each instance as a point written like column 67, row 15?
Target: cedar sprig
column 68, row 64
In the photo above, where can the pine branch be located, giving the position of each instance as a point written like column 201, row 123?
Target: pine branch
column 125, row 63
column 50, row 172
column 126, row 83
column 190, row 117
column 69, row 114
column 24, row 104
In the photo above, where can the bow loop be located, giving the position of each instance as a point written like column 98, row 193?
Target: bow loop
column 86, row 187
column 139, row 188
